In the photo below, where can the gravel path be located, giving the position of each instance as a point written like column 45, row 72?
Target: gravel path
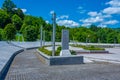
column 27, row 66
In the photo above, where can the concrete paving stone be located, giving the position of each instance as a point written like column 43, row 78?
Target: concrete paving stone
column 6, row 51
column 27, row 66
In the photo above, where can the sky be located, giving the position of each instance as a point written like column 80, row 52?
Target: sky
column 72, row 13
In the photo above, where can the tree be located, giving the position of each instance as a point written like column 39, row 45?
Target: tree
column 1, row 31
column 33, row 21
column 23, row 27
column 118, row 38
column 8, row 6
column 112, row 37
column 4, row 18
column 17, row 21
column 94, row 28
column 20, row 13
column 30, row 33
column 9, row 32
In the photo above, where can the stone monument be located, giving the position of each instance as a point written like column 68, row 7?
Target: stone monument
column 65, row 43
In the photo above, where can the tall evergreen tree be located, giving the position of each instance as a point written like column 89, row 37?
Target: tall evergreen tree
column 8, row 6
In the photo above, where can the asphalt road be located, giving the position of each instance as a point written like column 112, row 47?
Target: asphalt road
column 27, row 66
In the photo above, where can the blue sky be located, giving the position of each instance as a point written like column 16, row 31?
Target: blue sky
column 71, row 13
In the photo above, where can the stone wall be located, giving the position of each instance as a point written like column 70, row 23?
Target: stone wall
column 60, row 60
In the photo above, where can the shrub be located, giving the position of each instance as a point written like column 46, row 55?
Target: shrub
column 9, row 32
column 93, row 48
column 1, row 34
column 45, row 51
column 17, row 21
column 73, row 52
column 57, row 52
column 30, row 33
column 88, row 47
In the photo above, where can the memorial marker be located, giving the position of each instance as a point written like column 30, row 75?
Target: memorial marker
column 65, row 43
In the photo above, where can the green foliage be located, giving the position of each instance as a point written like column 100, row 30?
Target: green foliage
column 118, row 38
column 94, row 28
column 35, row 21
column 8, row 6
column 4, row 18
column 73, row 52
column 30, row 33
column 1, row 33
column 19, row 37
column 49, row 53
column 17, row 21
column 9, row 32
column 93, row 48
column 57, row 52
column 9, row 13
column 23, row 28
column 45, row 51
column 20, row 13
column 88, row 47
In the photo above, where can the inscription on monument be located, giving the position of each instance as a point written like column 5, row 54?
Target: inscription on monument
column 65, row 39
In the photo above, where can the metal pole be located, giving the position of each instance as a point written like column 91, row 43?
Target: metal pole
column 44, row 38
column 54, row 26
column 41, row 36
column 114, row 41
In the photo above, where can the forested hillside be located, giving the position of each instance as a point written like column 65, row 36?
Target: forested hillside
column 13, row 21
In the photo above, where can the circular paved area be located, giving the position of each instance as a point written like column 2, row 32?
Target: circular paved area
column 27, row 66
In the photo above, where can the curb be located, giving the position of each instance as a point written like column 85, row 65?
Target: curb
column 7, row 65
column 5, row 69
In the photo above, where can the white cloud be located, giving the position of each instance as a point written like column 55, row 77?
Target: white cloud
column 102, row 25
column 86, row 24
column 114, row 3
column 106, row 16
column 112, row 10
column 68, row 23
column 64, row 20
column 92, row 13
column 114, row 7
column 47, row 22
column 51, row 12
column 62, row 17
column 24, row 10
column 96, row 18
column 101, row 18
column 111, row 22
column 95, row 14
column 92, row 20
column 81, row 10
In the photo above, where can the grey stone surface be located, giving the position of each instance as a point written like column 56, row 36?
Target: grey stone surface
column 73, row 60
column 6, row 51
column 102, row 70
column 65, row 43
column 27, row 66
column 113, row 57
column 65, row 40
column 60, row 60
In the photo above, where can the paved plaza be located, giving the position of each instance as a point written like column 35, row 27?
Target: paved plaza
column 27, row 66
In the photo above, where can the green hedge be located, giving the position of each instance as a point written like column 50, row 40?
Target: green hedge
column 88, row 47
column 45, row 51
column 57, row 52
